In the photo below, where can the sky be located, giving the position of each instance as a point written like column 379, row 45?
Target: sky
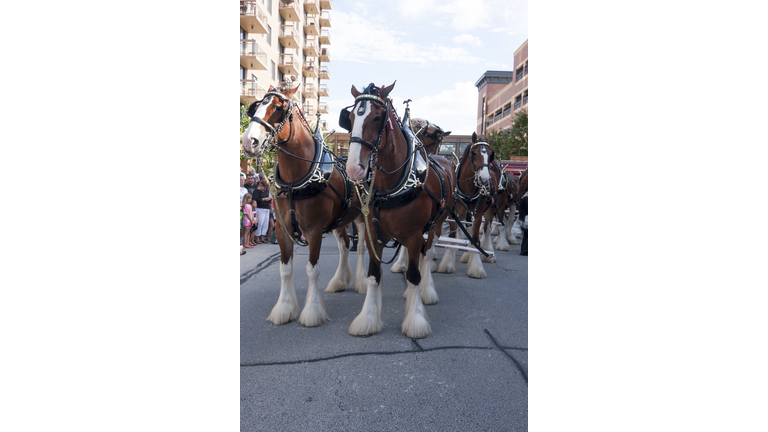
column 435, row 50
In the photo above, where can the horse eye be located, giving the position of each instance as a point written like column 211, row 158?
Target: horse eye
column 377, row 118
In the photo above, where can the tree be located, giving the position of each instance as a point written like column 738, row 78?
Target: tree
column 512, row 141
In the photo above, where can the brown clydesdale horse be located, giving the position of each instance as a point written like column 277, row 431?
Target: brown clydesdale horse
column 404, row 195
column 431, row 136
column 476, row 194
column 311, row 192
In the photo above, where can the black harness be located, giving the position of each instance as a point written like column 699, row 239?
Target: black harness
column 314, row 182
column 413, row 180
column 483, row 192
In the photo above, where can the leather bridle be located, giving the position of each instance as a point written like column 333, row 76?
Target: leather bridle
column 274, row 131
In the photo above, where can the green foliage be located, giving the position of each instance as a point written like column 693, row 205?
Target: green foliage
column 512, row 141
column 244, row 122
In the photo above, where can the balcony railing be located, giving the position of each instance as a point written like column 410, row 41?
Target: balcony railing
column 310, row 47
column 311, row 6
column 323, row 108
column 497, row 117
column 252, row 17
column 325, row 54
column 250, row 88
column 309, row 88
column 310, row 69
column 325, row 19
column 325, row 37
column 525, row 100
column 288, row 62
column 250, row 50
column 507, row 110
column 311, row 26
column 517, row 104
column 289, row 37
column 325, row 4
column 526, row 69
column 324, row 90
column 520, row 75
column 289, row 10
column 324, row 72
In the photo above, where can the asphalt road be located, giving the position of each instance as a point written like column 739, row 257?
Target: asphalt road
column 470, row 374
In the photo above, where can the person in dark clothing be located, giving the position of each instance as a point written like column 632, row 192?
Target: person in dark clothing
column 262, row 198
column 250, row 183
column 524, row 220
column 353, row 248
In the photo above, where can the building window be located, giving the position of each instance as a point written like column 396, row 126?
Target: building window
column 269, row 6
column 525, row 98
column 462, row 147
column 242, row 73
column 272, row 71
column 507, row 109
column 447, row 148
column 519, row 74
column 526, row 68
column 497, row 117
column 269, row 35
column 518, row 101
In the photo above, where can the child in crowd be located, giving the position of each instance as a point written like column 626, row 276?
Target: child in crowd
column 248, row 221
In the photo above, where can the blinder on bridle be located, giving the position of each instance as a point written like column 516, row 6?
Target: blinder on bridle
column 363, row 99
column 272, row 130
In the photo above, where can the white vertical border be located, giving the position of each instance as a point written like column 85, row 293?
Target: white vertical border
column 120, row 292
column 647, row 288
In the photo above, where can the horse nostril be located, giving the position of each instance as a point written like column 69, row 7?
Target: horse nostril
column 362, row 168
column 255, row 142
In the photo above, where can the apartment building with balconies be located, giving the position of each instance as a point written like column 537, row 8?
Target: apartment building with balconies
column 286, row 43
column 501, row 94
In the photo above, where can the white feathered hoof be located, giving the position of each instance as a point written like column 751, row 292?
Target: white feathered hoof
column 495, row 230
column 361, row 287
column 512, row 239
column 337, row 284
column 365, row 325
column 490, row 260
column 433, row 265
column 465, row 257
column 476, row 269
column 313, row 314
column 448, row 264
column 283, row 313
column 402, row 262
column 502, row 243
column 407, row 293
column 416, row 326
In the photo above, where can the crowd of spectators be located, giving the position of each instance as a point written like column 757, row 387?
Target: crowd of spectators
column 257, row 218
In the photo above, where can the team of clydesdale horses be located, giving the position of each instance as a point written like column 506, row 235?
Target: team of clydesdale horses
column 393, row 186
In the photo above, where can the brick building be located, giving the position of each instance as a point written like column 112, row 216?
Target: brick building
column 502, row 93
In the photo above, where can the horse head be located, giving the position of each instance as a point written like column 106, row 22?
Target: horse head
column 367, row 122
column 480, row 155
column 268, row 116
column 430, row 134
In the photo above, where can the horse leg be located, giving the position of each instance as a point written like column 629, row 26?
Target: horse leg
column 287, row 307
column 487, row 241
column 494, row 228
column 314, row 313
column 360, row 282
column 415, row 324
column 476, row 269
column 369, row 322
column 433, row 250
column 427, row 284
column 511, row 238
column 448, row 264
column 343, row 275
column 401, row 263
column 501, row 240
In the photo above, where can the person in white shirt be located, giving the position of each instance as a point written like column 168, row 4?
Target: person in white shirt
column 243, row 190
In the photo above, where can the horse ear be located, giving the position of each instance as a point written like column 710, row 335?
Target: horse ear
column 355, row 91
column 493, row 155
column 474, row 137
column 290, row 92
column 445, row 134
column 385, row 90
